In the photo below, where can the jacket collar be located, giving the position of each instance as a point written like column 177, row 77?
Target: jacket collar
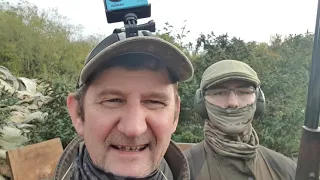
column 174, row 157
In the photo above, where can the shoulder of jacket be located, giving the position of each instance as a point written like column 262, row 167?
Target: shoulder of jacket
column 65, row 163
column 274, row 155
column 196, row 157
column 278, row 161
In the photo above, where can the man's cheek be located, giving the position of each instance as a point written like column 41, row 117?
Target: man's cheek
column 96, row 130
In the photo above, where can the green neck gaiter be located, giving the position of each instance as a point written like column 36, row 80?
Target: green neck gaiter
column 229, row 132
column 231, row 121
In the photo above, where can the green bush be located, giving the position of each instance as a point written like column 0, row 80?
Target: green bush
column 6, row 100
column 57, row 123
column 53, row 49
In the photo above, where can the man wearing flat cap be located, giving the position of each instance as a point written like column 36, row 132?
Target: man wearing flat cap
column 125, row 109
column 229, row 98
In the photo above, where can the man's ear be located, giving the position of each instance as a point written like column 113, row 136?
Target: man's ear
column 177, row 114
column 72, row 105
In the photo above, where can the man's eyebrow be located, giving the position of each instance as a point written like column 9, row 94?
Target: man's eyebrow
column 157, row 95
column 245, row 86
column 219, row 86
column 110, row 92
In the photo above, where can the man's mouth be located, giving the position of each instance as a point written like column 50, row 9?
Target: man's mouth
column 130, row 148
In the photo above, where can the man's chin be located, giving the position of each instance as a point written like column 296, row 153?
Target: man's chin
column 127, row 170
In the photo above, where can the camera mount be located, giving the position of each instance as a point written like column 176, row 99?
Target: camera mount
column 129, row 11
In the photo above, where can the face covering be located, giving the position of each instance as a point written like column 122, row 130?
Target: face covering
column 231, row 121
column 229, row 132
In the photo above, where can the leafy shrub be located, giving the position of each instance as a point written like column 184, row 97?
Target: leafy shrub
column 57, row 123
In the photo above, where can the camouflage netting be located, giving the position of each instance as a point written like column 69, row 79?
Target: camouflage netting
column 27, row 97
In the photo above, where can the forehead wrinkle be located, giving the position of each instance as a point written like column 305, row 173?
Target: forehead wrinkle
column 101, row 87
column 110, row 91
column 158, row 93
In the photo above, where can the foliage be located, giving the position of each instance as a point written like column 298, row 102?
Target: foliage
column 40, row 44
column 44, row 45
column 190, row 133
column 6, row 100
column 283, row 67
column 57, row 123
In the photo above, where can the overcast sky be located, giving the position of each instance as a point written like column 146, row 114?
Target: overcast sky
column 248, row 19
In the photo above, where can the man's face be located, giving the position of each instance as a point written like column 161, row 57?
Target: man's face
column 129, row 117
column 231, row 94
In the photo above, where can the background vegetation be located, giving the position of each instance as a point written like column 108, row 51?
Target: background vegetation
column 42, row 44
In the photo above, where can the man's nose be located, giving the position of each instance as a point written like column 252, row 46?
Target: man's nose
column 133, row 121
column 232, row 100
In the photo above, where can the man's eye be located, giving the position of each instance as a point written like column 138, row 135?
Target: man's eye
column 246, row 91
column 152, row 104
column 114, row 100
column 221, row 93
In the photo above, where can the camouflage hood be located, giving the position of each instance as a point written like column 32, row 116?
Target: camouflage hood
column 228, row 70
